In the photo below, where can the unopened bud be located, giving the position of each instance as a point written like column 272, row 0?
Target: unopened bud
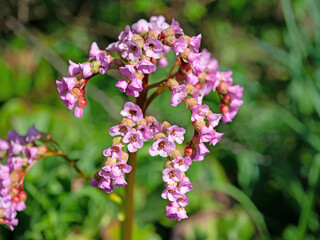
column 95, row 67
column 157, row 136
column 77, row 92
column 165, row 125
column 23, row 196
column 168, row 164
column 82, row 102
column 110, row 161
column 124, row 156
column 227, row 99
column 188, row 151
column 190, row 103
column 174, row 154
column 15, row 199
column 150, row 118
column 198, row 125
column 172, row 83
column 42, row 150
column 223, row 87
column 185, row 54
column 127, row 121
column 14, row 191
column 116, row 140
column 224, row 109
column 202, row 77
column 190, row 89
column 143, row 122
column 138, row 39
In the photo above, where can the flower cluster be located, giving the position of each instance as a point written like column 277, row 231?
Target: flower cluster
column 17, row 154
column 139, row 51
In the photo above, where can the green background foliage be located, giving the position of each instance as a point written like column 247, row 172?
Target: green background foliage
column 260, row 182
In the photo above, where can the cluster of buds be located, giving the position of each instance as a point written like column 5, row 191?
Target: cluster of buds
column 140, row 49
column 17, row 155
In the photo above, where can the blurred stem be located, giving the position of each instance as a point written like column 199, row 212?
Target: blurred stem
column 308, row 200
column 126, row 227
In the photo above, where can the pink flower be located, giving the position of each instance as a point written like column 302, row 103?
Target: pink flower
column 175, row 133
column 140, row 26
column 94, row 51
column 162, row 147
column 114, row 151
column 153, row 48
column 179, row 45
column 132, row 111
column 155, row 127
column 175, row 27
column 170, row 192
column 185, row 185
column 195, row 42
column 146, row 133
column 134, row 140
column 120, row 130
column 171, row 176
column 199, row 112
column 178, row 94
column 120, row 168
column 210, row 135
column 182, row 163
column 74, row 69
column 146, row 67
column 128, row 71
column 131, row 51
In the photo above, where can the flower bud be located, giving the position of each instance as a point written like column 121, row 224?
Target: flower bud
column 174, row 154
column 158, row 135
column 150, row 118
column 127, row 121
column 124, row 156
column 224, row 109
column 110, row 161
column 202, row 77
column 143, row 122
column 223, row 87
column 185, row 54
column 227, row 99
column 138, row 39
column 117, row 140
column 14, row 191
column 172, row 83
column 95, row 66
column 190, row 89
column 23, row 196
column 82, row 102
column 42, row 150
column 165, row 125
column 15, row 199
column 168, row 164
column 190, row 103
column 77, row 92
column 198, row 125
column 188, row 151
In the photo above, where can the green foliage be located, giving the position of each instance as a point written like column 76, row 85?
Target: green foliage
column 260, row 182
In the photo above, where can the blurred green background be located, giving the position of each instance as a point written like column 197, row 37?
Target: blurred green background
column 260, row 182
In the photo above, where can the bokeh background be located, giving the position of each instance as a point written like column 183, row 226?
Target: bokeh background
column 260, row 182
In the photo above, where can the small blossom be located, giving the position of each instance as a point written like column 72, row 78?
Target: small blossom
column 146, row 67
column 120, row 130
column 171, row 176
column 153, row 48
column 175, row 133
column 178, row 94
column 161, row 147
column 134, row 140
column 199, row 112
column 195, row 42
column 180, row 45
column 132, row 51
column 132, row 111
column 182, row 163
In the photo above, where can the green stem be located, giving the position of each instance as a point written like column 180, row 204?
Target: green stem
column 126, row 227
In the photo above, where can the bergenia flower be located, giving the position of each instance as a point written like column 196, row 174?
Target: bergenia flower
column 132, row 111
column 153, row 48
